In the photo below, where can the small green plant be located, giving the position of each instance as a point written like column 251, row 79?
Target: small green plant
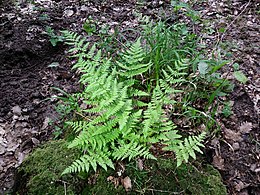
column 178, row 5
column 227, row 110
column 44, row 17
column 175, row 53
column 54, row 38
column 238, row 74
column 89, row 26
column 119, row 117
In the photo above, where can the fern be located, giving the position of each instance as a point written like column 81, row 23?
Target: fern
column 92, row 159
column 118, row 124
column 132, row 59
column 186, row 148
column 131, row 150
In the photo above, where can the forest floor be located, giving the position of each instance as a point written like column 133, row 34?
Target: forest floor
column 26, row 77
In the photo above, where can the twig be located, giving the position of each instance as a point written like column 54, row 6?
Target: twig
column 164, row 191
column 235, row 20
column 87, row 119
column 64, row 184
column 231, row 23
column 65, row 190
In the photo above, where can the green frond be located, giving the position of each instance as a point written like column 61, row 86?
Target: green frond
column 92, row 159
column 131, row 150
column 137, row 93
column 131, row 64
column 187, row 148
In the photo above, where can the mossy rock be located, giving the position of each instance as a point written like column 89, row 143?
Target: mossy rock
column 40, row 173
column 162, row 177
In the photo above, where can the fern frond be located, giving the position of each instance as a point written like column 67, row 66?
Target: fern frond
column 131, row 64
column 186, row 148
column 130, row 151
column 92, row 159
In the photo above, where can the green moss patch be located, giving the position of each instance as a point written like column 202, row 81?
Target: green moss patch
column 41, row 172
column 162, row 177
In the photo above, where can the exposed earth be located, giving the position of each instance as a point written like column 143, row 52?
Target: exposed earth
column 26, row 77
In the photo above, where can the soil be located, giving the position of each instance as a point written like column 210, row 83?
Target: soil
column 26, row 79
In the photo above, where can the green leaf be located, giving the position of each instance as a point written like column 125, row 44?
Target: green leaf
column 239, row 75
column 203, row 67
column 222, row 30
column 54, row 41
column 236, row 66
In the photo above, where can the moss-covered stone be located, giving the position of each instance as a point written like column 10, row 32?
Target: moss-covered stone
column 41, row 172
column 162, row 177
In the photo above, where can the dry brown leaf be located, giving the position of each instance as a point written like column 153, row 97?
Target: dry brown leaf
column 231, row 135
column 240, row 186
column 245, row 127
column 126, row 182
column 114, row 180
column 110, row 178
column 140, row 164
column 218, row 162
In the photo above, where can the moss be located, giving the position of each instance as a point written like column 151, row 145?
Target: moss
column 200, row 180
column 162, row 177
column 102, row 187
column 40, row 173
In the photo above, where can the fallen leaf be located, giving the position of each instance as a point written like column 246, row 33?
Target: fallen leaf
column 240, row 186
column 114, row 180
column 245, row 127
column 231, row 135
column 126, row 182
column 239, row 75
column 203, row 67
column 110, row 178
column 17, row 110
column 46, row 123
column 140, row 164
column 35, row 141
column 218, row 162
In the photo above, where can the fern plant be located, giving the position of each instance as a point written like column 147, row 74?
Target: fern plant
column 118, row 119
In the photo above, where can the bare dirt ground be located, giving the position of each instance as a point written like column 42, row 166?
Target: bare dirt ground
column 26, row 79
